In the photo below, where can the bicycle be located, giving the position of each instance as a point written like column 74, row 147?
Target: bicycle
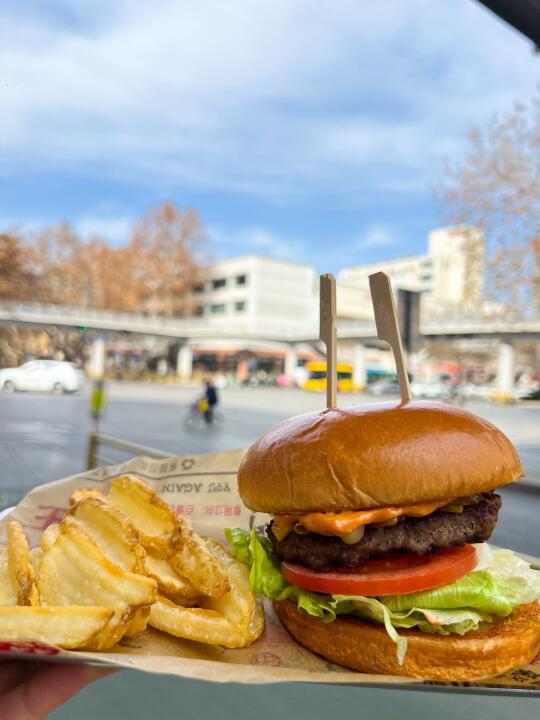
column 195, row 419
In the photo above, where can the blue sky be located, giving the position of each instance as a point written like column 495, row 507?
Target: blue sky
column 306, row 130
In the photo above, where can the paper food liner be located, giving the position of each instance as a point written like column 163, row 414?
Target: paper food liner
column 204, row 489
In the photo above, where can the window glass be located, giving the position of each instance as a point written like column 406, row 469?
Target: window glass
column 30, row 366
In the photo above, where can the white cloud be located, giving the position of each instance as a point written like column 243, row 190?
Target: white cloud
column 9, row 224
column 283, row 98
column 116, row 230
column 377, row 236
column 256, row 240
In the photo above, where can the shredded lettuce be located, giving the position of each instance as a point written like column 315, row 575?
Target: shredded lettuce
column 265, row 577
column 500, row 583
column 477, row 590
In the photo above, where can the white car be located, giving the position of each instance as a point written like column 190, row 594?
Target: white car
column 43, row 375
column 431, row 390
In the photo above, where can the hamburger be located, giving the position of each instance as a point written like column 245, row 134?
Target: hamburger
column 376, row 554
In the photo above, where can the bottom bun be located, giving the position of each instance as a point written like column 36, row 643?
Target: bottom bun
column 366, row 647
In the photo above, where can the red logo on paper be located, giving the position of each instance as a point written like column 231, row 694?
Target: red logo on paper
column 28, row 648
column 53, row 514
column 266, row 658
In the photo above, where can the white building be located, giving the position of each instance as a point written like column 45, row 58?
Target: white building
column 249, row 295
column 254, row 294
column 260, row 293
column 449, row 276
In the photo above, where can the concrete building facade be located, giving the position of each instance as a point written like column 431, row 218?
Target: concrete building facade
column 449, row 276
column 253, row 293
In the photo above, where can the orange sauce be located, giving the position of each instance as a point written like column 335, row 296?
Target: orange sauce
column 343, row 523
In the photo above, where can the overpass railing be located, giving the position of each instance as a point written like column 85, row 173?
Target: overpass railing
column 453, row 322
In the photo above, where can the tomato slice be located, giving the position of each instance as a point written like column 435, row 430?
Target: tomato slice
column 388, row 576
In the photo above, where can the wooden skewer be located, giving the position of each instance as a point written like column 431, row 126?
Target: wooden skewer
column 387, row 326
column 328, row 334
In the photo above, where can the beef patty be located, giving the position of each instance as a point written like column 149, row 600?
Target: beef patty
column 412, row 535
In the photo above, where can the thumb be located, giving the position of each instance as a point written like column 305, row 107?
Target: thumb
column 47, row 689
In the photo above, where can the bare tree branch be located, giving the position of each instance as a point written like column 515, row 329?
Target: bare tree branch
column 496, row 188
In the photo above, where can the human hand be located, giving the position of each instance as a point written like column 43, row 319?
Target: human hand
column 31, row 690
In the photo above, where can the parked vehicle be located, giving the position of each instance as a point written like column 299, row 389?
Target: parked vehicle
column 384, row 387
column 529, row 394
column 316, row 379
column 430, row 390
column 42, row 376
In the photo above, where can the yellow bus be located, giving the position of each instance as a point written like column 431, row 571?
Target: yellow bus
column 316, row 379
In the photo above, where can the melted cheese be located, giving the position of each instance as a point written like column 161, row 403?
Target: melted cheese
column 341, row 524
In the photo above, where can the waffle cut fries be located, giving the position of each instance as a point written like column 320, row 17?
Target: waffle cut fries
column 116, row 564
column 233, row 620
column 175, row 554
column 17, row 578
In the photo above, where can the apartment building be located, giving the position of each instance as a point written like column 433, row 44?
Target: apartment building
column 449, row 276
column 251, row 294
column 259, row 293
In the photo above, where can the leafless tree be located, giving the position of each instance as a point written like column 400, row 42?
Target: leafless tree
column 496, row 188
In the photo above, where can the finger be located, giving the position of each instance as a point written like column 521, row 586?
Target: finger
column 13, row 673
column 46, row 690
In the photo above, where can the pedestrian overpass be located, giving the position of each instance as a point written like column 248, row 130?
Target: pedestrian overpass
column 104, row 322
column 186, row 331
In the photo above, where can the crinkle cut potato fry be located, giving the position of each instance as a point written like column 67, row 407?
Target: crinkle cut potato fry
column 82, row 493
column 8, row 591
column 66, row 627
column 117, row 537
column 99, row 571
column 86, row 506
column 111, row 530
column 167, row 536
column 154, row 519
column 76, row 568
column 20, row 570
column 196, row 624
column 75, row 571
column 138, row 622
column 238, row 604
column 234, row 620
column 36, row 554
column 169, row 582
column 49, row 536
column 191, row 558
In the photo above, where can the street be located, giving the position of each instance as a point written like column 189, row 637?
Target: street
column 44, row 437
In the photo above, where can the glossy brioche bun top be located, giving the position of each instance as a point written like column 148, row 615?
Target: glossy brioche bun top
column 375, row 455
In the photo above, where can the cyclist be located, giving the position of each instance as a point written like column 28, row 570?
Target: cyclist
column 212, row 399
